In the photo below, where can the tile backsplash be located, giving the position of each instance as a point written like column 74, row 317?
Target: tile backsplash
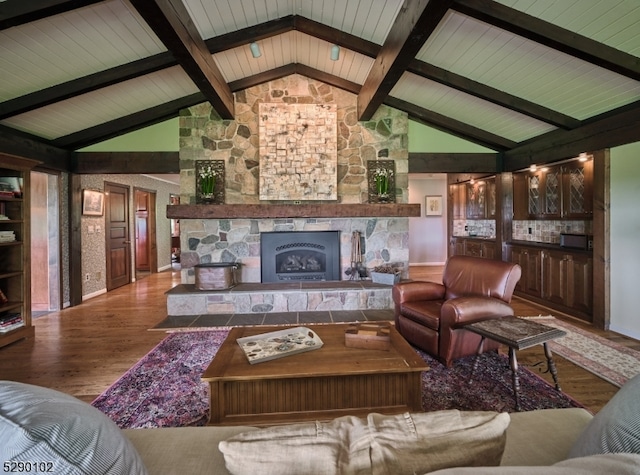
column 527, row 230
column 548, row 231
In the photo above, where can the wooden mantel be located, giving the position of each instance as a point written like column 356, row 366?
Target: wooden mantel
column 243, row 211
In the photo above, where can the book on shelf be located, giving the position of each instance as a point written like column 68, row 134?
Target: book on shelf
column 10, row 321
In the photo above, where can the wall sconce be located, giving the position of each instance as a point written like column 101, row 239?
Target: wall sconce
column 335, row 53
column 533, row 168
column 255, row 50
column 583, row 157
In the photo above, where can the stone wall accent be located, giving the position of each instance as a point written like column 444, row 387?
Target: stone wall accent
column 386, row 240
column 203, row 135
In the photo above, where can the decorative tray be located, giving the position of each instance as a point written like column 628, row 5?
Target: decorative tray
column 278, row 344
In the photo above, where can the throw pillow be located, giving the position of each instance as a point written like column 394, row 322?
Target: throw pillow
column 60, row 434
column 399, row 444
column 616, row 428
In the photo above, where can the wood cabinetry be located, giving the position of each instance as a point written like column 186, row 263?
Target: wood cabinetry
column 561, row 191
column 474, row 247
column 458, row 200
column 530, row 260
column 559, row 279
column 15, row 301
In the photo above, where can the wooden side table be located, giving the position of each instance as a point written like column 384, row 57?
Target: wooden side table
column 517, row 334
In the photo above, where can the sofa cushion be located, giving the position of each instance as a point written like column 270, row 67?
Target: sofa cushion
column 611, row 464
column 42, row 425
column 405, row 443
column 425, row 312
column 616, row 428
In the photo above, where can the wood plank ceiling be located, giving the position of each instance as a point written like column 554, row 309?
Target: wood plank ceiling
column 530, row 79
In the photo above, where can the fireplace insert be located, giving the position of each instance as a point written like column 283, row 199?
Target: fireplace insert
column 299, row 256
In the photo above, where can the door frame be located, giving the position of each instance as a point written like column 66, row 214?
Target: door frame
column 151, row 229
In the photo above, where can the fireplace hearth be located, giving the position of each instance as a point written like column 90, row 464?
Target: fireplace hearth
column 287, row 256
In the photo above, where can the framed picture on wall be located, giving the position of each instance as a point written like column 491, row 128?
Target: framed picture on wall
column 433, row 205
column 92, row 203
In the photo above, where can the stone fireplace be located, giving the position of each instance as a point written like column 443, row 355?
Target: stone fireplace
column 233, row 231
column 300, row 256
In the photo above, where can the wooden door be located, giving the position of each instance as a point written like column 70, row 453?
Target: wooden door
column 39, row 243
column 146, row 255
column 118, row 243
column 142, row 231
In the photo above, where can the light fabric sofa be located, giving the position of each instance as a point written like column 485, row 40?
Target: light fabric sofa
column 39, row 425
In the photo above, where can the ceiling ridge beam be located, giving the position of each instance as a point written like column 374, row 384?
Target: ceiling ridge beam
column 170, row 21
column 495, row 96
column 247, row 35
column 129, row 123
column 18, row 13
column 451, row 126
column 548, row 34
column 415, row 22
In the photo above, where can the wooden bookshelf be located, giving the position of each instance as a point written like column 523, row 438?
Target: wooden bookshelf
column 15, row 283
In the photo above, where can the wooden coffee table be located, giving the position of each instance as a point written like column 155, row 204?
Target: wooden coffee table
column 322, row 384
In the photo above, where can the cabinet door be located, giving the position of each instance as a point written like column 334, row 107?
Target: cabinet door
column 520, row 197
column 490, row 211
column 459, row 247
column 555, row 274
column 578, row 189
column 580, row 283
column 458, row 194
column 473, row 248
column 552, row 192
column 530, row 260
column 489, row 250
column 476, row 196
column 535, row 193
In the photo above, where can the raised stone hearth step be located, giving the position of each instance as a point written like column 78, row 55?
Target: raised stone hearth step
column 185, row 299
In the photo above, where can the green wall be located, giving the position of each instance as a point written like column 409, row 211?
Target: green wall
column 429, row 140
column 161, row 137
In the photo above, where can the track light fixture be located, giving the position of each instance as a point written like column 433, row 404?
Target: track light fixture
column 255, row 50
column 335, row 53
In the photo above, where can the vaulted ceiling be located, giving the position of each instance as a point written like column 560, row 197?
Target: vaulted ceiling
column 530, row 79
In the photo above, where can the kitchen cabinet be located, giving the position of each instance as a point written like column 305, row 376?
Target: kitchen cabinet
column 530, row 260
column 557, row 278
column 476, row 199
column 15, row 287
column 458, row 200
column 485, row 248
column 561, row 191
column 578, row 186
column 568, row 280
column 490, row 210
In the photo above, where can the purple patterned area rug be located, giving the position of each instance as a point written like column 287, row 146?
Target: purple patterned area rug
column 164, row 389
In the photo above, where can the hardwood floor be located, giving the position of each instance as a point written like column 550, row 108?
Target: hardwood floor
column 82, row 350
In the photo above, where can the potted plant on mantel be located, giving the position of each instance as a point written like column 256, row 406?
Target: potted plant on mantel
column 385, row 274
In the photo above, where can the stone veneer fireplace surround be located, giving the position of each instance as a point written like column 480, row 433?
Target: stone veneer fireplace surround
column 231, row 232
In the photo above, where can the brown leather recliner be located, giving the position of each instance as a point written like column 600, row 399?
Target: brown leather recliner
column 430, row 316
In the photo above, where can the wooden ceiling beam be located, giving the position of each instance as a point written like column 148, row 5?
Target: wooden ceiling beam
column 171, row 22
column 548, row 34
column 244, row 36
column 29, row 146
column 611, row 129
column 413, row 25
column 85, row 84
column 15, row 13
column 135, row 163
column 451, row 126
column 129, row 123
column 454, row 163
column 495, row 96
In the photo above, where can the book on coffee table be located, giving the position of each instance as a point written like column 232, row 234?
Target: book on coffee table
column 278, row 344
